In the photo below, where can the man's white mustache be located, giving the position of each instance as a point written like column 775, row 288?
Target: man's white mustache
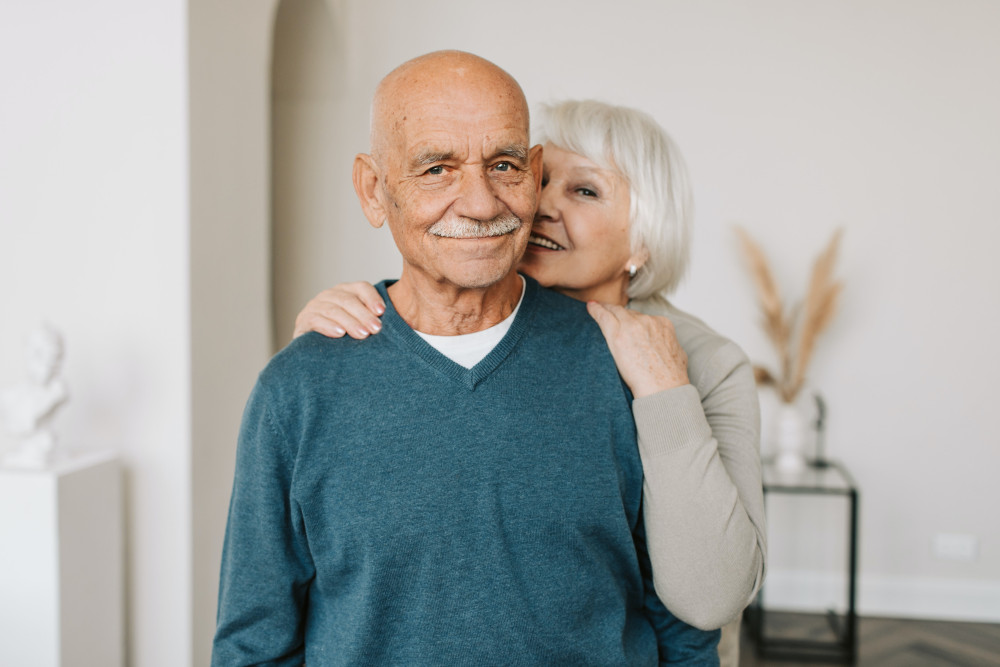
column 468, row 228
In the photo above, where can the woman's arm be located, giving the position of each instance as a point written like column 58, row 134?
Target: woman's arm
column 699, row 443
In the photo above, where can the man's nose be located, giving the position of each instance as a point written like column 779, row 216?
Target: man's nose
column 477, row 197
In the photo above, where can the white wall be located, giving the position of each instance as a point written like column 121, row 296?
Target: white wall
column 93, row 237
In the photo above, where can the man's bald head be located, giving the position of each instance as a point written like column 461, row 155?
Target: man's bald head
column 436, row 76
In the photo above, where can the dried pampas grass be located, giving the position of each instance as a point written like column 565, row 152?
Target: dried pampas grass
column 793, row 331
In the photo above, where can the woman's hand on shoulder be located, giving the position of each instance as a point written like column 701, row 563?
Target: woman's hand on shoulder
column 348, row 308
column 644, row 347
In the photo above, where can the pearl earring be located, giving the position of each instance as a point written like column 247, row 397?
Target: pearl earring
column 632, row 270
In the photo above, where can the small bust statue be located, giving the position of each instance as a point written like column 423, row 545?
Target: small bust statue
column 26, row 410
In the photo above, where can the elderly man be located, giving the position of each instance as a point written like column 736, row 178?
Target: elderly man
column 464, row 488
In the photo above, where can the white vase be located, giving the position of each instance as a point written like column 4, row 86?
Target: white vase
column 790, row 438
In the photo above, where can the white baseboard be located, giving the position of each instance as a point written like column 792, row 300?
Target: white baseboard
column 889, row 596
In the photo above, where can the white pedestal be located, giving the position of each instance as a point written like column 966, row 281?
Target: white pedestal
column 61, row 575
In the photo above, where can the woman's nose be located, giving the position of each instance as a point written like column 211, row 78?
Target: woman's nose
column 548, row 208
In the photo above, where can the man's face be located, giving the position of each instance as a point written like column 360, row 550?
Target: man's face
column 460, row 185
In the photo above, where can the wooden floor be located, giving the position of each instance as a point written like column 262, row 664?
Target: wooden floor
column 888, row 642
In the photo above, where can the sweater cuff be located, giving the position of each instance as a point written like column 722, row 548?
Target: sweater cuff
column 670, row 420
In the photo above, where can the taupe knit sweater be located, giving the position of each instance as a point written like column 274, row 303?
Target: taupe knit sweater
column 704, row 505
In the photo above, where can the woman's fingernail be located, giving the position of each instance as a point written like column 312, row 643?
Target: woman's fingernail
column 338, row 331
column 374, row 327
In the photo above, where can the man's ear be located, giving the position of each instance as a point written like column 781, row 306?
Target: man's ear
column 535, row 161
column 365, row 176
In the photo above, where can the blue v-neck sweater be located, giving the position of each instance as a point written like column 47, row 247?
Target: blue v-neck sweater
column 391, row 507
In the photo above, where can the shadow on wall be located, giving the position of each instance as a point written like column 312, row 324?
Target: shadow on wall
column 308, row 77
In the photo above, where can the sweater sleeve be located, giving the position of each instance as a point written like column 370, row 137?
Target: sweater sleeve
column 266, row 567
column 678, row 643
column 702, row 493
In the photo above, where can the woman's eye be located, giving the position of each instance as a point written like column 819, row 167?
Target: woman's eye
column 586, row 192
column 436, row 170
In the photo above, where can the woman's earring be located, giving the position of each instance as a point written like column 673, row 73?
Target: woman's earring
column 632, row 270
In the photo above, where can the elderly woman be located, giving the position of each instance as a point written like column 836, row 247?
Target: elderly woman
column 613, row 229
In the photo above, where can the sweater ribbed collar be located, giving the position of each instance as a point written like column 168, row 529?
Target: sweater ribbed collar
column 400, row 333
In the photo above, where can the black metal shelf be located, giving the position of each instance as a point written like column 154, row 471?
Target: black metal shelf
column 827, row 478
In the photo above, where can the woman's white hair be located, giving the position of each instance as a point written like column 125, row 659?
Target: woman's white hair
column 632, row 143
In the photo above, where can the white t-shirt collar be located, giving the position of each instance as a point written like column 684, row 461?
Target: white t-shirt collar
column 469, row 349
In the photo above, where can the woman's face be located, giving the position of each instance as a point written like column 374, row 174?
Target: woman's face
column 579, row 242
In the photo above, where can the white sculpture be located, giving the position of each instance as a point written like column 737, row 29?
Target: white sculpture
column 26, row 410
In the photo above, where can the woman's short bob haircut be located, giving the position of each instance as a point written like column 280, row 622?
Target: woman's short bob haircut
column 633, row 144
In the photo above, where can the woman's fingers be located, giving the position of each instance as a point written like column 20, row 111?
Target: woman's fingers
column 603, row 317
column 609, row 317
column 352, row 314
column 358, row 328
column 644, row 347
column 307, row 322
column 350, row 308
column 368, row 296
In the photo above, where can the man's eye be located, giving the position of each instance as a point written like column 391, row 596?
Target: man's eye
column 436, row 170
column 504, row 166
